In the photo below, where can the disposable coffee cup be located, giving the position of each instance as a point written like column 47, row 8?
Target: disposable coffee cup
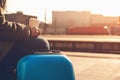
column 34, row 22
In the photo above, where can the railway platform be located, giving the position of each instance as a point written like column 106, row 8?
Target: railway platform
column 85, row 43
column 93, row 57
column 95, row 66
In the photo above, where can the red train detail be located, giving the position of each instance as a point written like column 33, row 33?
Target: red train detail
column 89, row 30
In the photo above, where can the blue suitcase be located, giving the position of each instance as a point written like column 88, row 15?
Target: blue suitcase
column 45, row 67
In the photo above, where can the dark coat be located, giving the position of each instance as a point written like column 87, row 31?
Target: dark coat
column 11, row 32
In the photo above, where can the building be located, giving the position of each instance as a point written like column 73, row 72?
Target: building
column 19, row 17
column 61, row 20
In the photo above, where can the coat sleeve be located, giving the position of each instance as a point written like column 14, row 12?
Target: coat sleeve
column 13, row 31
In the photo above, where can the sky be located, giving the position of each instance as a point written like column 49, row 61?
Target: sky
column 39, row 7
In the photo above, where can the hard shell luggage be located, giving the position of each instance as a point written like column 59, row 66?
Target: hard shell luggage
column 45, row 67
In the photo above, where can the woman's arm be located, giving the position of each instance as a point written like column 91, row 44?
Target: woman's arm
column 13, row 31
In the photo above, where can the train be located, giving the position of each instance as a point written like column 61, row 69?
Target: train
column 90, row 30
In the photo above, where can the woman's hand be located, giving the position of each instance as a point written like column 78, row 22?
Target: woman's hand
column 34, row 23
column 35, row 31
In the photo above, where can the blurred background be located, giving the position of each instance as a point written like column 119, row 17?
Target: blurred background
column 78, row 17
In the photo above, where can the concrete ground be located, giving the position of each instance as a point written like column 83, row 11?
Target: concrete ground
column 95, row 66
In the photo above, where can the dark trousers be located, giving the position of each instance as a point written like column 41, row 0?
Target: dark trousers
column 20, row 49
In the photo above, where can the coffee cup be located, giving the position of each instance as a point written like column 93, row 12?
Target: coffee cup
column 33, row 22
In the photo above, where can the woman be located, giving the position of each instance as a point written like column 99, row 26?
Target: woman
column 16, row 41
